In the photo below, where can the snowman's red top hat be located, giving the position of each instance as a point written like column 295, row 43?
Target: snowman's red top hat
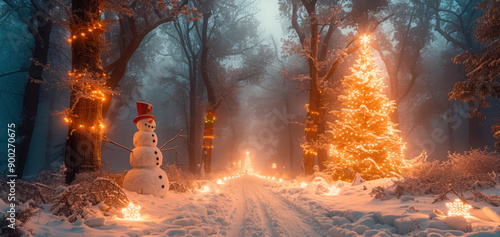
column 145, row 110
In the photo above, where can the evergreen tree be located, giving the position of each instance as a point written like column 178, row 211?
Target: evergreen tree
column 247, row 165
column 364, row 140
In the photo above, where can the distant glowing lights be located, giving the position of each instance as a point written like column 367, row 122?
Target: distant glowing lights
column 303, row 184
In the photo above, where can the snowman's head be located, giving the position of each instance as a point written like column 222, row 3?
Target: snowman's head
column 146, row 124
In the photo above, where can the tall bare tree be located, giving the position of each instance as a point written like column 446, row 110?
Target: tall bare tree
column 36, row 16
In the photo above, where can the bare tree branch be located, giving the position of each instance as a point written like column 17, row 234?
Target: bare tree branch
column 171, row 140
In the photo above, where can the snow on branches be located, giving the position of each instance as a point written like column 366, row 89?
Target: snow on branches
column 364, row 140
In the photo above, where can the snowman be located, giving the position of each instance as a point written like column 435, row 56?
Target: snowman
column 146, row 177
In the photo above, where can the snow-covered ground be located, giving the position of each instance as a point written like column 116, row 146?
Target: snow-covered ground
column 257, row 206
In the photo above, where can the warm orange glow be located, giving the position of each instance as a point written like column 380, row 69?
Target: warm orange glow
column 69, row 40
column 364, row 140
column 333, row 191
column 83, row 34
column 131, row 212
column 205, row 189
column 274, row 165
column 66, row 120
column 81, row 125
column 458, row 208
column 365, row 39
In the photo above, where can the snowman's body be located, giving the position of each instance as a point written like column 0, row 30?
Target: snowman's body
column 146, row 177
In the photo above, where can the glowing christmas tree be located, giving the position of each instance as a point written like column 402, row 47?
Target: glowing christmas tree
column 364, row 140
column 247, row 165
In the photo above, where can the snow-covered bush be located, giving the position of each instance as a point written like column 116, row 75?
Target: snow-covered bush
column 473, row 169
column 105, row 172
column 108, row 192
column 70, row 203
column 180, row 181
column 460, row 173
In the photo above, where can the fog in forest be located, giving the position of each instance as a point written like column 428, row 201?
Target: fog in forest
column 259, row 77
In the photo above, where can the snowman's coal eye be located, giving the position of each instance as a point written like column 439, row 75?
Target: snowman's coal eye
column 163, row 186
column 145, row 124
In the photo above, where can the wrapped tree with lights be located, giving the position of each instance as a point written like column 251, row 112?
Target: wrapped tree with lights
column 364, row 140
column 87, row 83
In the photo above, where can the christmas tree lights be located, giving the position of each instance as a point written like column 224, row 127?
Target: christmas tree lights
column 363, row 139
column 247, row 164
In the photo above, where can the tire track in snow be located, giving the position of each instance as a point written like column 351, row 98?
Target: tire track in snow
column 267, row 214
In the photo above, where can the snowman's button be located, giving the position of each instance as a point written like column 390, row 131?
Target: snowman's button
column 160, row 177
column 157, row 158
column 152, row 135
column 163, row 186
column 154, row 140
column 156, row 152
column 157, row 163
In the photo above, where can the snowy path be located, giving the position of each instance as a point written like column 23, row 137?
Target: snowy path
column 257, row 211
column 253, row 206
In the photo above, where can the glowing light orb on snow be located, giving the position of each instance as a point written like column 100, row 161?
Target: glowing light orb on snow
column 131, row 212
column 303, row 184
column 225, row 178
column 205, row 189
column 281, row 180
column 273, row 178
column 458, row 208
column 220, row 181
column 333, row 191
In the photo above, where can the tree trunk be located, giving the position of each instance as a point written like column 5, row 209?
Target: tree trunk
column 475, row 135
column 310, row 151
column 208, row 137
column 32, row 93
column 192, row 119
column 208, row 134
column 83, row 145
column 290, row 138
